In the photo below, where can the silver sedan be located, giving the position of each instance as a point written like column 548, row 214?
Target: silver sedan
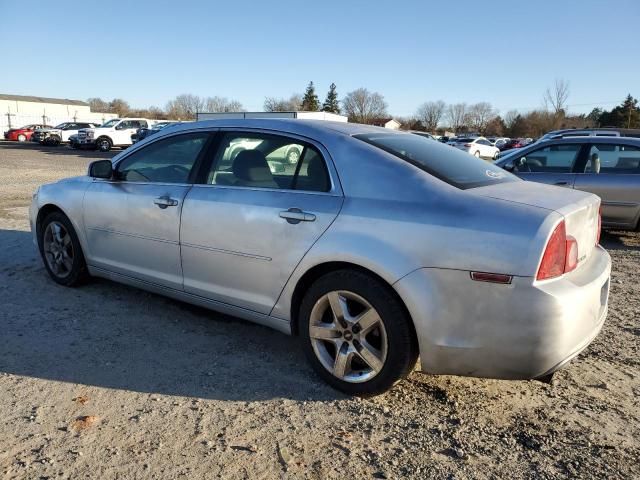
column 374, row 247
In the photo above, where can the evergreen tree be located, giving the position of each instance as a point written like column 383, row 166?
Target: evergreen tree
column 626, row 115
column 310, row 101
column 331, row 103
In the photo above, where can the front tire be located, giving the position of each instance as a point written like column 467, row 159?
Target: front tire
column 61, row 251
column 496, row 155
column 104, row 144
column 356, row 333
column 293, row 155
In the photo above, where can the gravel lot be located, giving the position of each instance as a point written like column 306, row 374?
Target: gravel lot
column 107, row 382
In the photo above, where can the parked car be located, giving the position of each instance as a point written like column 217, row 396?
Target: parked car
column 23, row 134
column 606, row 166
column 113, row 133
column 513, row 143
column 595, row 132
column 396, row 246
column 145, row 132
column 478, row 146
column 73, row 141
column 423, row 134
column 60, row 133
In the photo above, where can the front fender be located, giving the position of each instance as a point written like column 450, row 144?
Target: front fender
column 67, row 196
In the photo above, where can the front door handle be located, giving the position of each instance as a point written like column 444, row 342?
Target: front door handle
column 295, row 215
column 165, row 201
column 562, row 182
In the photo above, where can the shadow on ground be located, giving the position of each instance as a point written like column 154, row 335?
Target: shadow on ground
column 620, row 240
column 59, row 150
column 109, row 335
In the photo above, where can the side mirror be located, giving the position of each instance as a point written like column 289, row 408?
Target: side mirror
column 509, row 167
column 101, row 169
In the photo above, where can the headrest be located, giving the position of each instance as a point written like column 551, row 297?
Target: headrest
column 251, row 166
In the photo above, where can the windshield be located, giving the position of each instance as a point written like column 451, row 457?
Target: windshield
column 110, row 123
column 448, row 164
column 464, row 140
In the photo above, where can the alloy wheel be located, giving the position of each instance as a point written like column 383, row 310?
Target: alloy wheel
column 58, row 249
column 348, row 336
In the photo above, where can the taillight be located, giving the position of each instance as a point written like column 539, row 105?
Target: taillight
column 560, row 255
column 467, row 145
column 571, row 261
column 555, row 255
column 599, row 225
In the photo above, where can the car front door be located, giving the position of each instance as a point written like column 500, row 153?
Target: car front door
column 551, row 164
column 254, row 216
column 612, row 171
column 132, row 222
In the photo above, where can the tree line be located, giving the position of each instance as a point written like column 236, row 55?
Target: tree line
column 364, row 106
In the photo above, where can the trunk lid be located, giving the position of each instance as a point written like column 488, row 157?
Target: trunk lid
column 579, row 209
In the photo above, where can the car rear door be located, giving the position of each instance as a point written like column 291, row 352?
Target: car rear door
column 132, row 222
column 551, row 164
column 612, row 171
column 254, row 216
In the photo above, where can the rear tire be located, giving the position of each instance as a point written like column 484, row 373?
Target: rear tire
column 61, row 251
column 22, row 138
column 377, row 348
column 477, row 154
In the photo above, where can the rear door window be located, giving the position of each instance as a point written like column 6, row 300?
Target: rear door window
column 268, row 161
column 613, row 159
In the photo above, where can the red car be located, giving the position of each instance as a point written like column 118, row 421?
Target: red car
column 23, row 134
column 511, row 144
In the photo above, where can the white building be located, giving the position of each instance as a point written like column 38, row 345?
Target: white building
column 19, row 110
column 333, row 117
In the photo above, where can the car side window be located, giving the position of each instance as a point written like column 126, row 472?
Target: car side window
column 615, row 159
column 553, row 158
column 268, row 161
column 166, row 161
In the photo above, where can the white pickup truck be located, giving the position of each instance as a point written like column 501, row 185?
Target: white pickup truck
column 113, row 133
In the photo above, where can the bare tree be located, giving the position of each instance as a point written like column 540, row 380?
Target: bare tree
column 185, row 106
column 98, row 105
column 510, row 118
column 430, row 114
column 273, row 104
column 222, row 104
column 456, row 116
column 363, row 106
column 479, row 115
column 119, row 107
column 556, row 99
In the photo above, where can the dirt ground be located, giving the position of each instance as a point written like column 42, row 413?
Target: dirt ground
column 107, row 382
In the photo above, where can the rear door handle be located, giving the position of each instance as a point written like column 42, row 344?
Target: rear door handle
column 561, row 183
column 295, row 215
column 164, row 202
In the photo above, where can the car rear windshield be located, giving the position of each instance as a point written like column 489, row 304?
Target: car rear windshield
column 464, row 140
column 449, row 164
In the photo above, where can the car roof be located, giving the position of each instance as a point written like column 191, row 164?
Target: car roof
column 288, row 125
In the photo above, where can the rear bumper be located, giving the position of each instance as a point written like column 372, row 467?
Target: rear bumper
column 527, row 329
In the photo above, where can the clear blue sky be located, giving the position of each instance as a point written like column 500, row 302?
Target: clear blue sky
column 503, row 52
